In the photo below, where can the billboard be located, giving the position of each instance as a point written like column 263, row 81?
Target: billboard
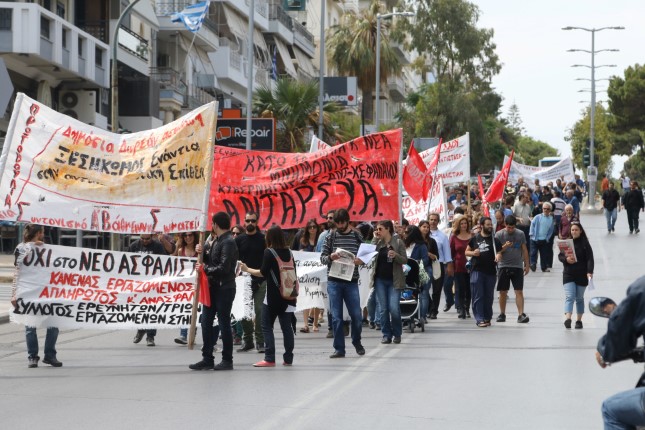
column 341, row 90
column 231, row 132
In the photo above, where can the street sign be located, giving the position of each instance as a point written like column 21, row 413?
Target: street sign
column 232, row 133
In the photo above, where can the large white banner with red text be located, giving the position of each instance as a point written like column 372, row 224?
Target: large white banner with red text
column 58, row 171
column 562, row 169
column 419, row 211
column 454, row 160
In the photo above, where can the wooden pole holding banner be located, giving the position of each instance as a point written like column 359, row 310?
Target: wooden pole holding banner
column 209, row 173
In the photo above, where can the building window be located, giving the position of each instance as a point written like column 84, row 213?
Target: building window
column 44, row 27
column 80, row 47
column 127, row 22
column 65, row 34
column 5, row 19
column 60, row 9
column 98, row 57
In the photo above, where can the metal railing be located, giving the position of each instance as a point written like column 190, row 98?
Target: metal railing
column 260, row 7
column 198, row 97
column 301, row 30
column 168, row 78
column 277, row 13
column 133, row 43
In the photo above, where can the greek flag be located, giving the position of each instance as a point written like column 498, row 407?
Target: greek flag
column 274, row 65
column 192, row 16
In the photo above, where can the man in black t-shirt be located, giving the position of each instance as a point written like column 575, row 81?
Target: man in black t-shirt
column 610, row 201
column 482, row 249
column 251, row 245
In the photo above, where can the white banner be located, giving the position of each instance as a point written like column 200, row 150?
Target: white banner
column 317, row 144
column 454, row 160
column 544, row 174
column 416, row 212
column 60, row 172
column 66, row 287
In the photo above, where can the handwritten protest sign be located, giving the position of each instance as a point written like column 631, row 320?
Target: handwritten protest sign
column 544, row 174
column 60, row 172
column 65, row 287
column 317, row 144
column 362, row 176
column 454, row 160
column 415, row 212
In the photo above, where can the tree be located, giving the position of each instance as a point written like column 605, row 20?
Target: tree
column 627, row 107
column 635, row 167
column 580, row 134
column 295, row 106
column 514, row 119
column 532, row 150
column 352, row 50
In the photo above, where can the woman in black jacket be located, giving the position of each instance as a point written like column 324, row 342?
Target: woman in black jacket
column 578, row 271
column 274, row 305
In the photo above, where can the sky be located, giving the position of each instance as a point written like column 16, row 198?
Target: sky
column 536, row 69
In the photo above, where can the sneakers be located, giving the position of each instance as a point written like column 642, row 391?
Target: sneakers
column 501, row 318
column 55, row 363
column 246, row 346
column 533, row 267
column 397, row 339
column 330, row 334
column 260, row 348
column 567, row 323
column 359, row 349
column 224, row 365
column 638, row 230
column 372, row 325
column 433, row 315
column 522, row 319
column 337, row 354
column 32, row 362
column 546, row 270
column 578, row 326
column 264, row 363
column 386, row 340
column 201, row 365
column 181, row 340
column 150, row 341
column 138, row 337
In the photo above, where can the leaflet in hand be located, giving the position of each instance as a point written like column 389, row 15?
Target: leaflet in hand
column 566, row 247
column 366, row 251
column 343, row 268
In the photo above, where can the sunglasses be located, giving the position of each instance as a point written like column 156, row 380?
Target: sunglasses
column 251, row 221
column 234, row 233
column 312, row 226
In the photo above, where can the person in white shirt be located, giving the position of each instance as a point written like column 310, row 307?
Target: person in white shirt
column 445, row 258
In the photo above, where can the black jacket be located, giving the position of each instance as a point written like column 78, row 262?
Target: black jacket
column 633, row 200
column 626, row 324
column 220, row 262
column 577, row 272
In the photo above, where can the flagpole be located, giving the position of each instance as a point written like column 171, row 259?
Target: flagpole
column 434, row 175
column 188, row 52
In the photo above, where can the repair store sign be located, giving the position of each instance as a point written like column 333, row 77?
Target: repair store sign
column 232, row 133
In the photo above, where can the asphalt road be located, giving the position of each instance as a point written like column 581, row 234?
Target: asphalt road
column 453, row 376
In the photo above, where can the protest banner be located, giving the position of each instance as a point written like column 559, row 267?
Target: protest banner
column 417, row 212
column 317, row 144
column 454, row 160
column 67, row 287
column 57, row 171
column 544, row 174
column 438, row 203
column 362, row 176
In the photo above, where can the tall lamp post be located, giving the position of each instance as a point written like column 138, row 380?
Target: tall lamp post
column 592, row 171
column 378, row 58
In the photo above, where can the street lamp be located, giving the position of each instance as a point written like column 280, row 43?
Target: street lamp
column 592, row 171
column 378, row 56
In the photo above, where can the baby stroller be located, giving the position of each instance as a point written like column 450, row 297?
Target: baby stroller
column 410, row 305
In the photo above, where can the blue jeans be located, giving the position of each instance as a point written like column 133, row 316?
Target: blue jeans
column 610, row 216
column 624, row 410
column 339, row 292
column 390, row 300
column 50, row 342
column 424, row 300
column 268, row 319
column 447, row 291
column 482, row 287
column 373, row 308
column 574, row 292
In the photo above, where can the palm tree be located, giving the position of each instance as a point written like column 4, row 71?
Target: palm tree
column 295, row 106
column 352, row 48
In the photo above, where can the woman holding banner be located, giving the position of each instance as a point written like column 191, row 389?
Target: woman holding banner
column 275, row 306
column 33, row 236
column 185, row 247
column 306, row 240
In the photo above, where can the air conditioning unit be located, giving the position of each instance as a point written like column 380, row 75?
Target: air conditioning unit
column 80, row 105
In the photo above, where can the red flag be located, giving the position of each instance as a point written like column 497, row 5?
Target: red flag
column 432, row 170
column 496, row 190
column 204, row 289
column 483, row 196
column 414, row 174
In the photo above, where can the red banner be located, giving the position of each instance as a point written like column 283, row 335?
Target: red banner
column 414, row 175
column 362, row 176
column 496, row 190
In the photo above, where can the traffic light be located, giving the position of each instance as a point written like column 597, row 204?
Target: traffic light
column 585, row 157
column 596, row 160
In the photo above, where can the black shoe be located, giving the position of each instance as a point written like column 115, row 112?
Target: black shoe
column 386, row 340
column 396, row 339
column 578, row 326
column 150, row 341
column 181, row 340
column 462, row 315
column 359, row 349
column 567, row 323
column 246, row 346
column 467, row 313
column 32, row 362
column 637, row 231
column 138, row 337
column 501, row 318
column 346, row 329
column 533, row 267
column 201, row 365
column 546, row 270
column 447, row 308
column 372, row 325
column 55, row 363
column 433, row 315
column 260, row 348
column 337, row 354
column 522, row 319
column 223, row 365
column 365, row 323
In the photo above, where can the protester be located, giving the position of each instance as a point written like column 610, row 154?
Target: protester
column 34, row 235
column 305, row 241
column 433, row 255
column 219, row 265
column 250, row 246
column 633, row 203
column 340, row 290
column 540, row 233
column 625, row 183
column 481, row 249
column 522, row 212
column 578, row 270
column 445, row 259
column 185, row 247
column 513, row 266
column 275, row 306
column 459, row 240
column 565, row 222
column 146, row 244
column 610, row 202
column 417, row 250
column 571, row 199
column 499, row 220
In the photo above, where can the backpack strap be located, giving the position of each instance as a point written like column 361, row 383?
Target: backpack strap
column 275, row 254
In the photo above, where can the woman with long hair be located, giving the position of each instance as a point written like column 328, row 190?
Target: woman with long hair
column 306, row 240
column 459, row 239
column 578, row 270
column 389, row 280
column 34, row 235
column 185, row 247
column 275, row 306
column 433, row 254
column 417, row 249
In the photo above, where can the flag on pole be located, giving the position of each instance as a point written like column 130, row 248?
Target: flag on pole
column 414, row 175
column 483, row 196
column 432, row 171
column 274, row 64
column 496, row 190
column 192, row 16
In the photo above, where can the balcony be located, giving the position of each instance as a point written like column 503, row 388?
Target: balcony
column 303, row 39
column 31, row 35
column 172, row 89
column 227, row 63
column 206, row 38
column 197, row 97
column 280, row 23
column 396, row 88
column 261, row 16
column 401, row 53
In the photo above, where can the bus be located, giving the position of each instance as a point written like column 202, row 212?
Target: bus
column 549, row 161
